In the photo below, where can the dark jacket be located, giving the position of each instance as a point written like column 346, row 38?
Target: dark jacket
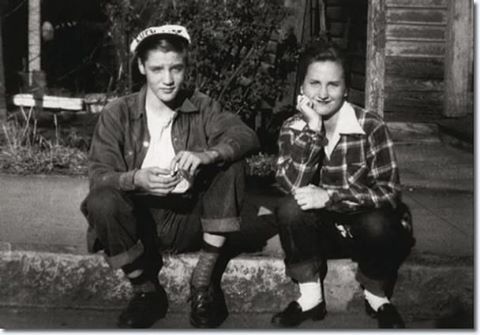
column 121, row 138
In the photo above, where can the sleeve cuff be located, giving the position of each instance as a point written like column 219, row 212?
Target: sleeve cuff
column 316, row 136
column 126, row 180
column 224, row 151
column 333, row 195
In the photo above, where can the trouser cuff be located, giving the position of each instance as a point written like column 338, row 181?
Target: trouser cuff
column 126, row 257
column 304, row 272
column 375, row 286
column 223, row 225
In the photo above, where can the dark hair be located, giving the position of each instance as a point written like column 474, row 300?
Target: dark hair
column 164, row 42
column 322, row 50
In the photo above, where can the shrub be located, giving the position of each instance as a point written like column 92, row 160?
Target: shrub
column 261, row 165
column 24, row 151
column 232, row 56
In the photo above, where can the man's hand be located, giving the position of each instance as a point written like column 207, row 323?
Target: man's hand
column 305, row 106
column 189, row 161
column 156, row 180
column 311, row 197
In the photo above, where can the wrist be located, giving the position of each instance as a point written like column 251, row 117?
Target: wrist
column 315, row 125
column 331, row 196
column 213, row 156
column 134, row 178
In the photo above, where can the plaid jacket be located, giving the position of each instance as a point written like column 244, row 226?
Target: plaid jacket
column 361, row 172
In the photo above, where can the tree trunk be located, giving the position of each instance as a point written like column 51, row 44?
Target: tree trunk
column 3, row 103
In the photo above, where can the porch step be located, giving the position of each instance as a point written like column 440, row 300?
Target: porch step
column 427, row 287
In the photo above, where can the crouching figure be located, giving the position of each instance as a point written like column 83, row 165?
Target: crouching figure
column 337, row 167
column 166, row 175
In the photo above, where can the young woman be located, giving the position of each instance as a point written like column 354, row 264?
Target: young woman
column 338, row 169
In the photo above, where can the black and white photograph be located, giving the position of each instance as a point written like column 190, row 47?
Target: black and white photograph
column 237, row 165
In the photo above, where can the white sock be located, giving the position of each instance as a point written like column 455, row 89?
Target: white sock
column 310, row 295
column 374, row 300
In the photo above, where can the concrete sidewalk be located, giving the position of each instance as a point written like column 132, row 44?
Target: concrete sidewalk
column 27, row 319
column 43, row 257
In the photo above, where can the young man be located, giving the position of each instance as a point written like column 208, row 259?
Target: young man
column 337, row 165
column 165, row 170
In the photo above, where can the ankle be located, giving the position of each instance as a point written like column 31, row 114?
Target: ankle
column 145, row 287
column 310, row 295
column 202, row 274
column 374, row 300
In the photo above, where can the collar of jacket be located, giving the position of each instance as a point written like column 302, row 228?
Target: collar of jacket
column 186, row 106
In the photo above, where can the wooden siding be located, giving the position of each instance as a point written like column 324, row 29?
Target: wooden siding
column 414, row 68
column 414, row 64
column 415, row 49
column 409, row 32
column 417, row 3
column 428, row 49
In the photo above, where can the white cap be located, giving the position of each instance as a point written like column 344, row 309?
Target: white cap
column 169, row 29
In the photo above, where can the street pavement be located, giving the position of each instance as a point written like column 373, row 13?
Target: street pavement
column 42, row 213
column 438, row 186
column 71, row 319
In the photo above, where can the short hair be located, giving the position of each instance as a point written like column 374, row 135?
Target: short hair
column 320, row 50
column 164, row 42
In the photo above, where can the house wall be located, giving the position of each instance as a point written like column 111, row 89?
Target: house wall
column 415, row 42
column 414, row 59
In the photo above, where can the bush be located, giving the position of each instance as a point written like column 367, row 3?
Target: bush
column 261, row 165
column 232, row 56
column 24, row 151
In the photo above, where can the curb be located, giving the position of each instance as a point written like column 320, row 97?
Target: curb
column 413, row 132
column 425, row 290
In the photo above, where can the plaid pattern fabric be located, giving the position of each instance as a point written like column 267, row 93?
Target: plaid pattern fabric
column 362, row 171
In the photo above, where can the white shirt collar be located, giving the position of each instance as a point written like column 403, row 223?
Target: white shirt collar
column 347, row 123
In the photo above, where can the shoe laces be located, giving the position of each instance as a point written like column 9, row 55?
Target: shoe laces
column 140, row 299
column 200, row 297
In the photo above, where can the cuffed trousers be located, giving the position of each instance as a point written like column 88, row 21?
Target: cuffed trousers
column 376, row 239
column 134, row 230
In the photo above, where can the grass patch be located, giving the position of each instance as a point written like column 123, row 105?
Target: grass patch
column 24, row 151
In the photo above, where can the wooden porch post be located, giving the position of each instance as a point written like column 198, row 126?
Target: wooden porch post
column 458, row 58
column 3, row 102
column 34, row 34
column 375, row 67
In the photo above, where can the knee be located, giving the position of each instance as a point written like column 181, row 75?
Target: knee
column 227, row 177
column 378, row 228
column 103, row 201
column 288, row 212
column 386, row 228
column 235, row 171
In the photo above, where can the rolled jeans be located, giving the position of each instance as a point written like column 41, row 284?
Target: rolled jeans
column 374, row 238
column 134, row 230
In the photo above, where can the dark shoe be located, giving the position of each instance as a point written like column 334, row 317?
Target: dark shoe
column 208, row 308
column 144, row 309
column 388, row 317
column 293, row 315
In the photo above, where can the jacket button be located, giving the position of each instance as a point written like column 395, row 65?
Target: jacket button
column 145, row 144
